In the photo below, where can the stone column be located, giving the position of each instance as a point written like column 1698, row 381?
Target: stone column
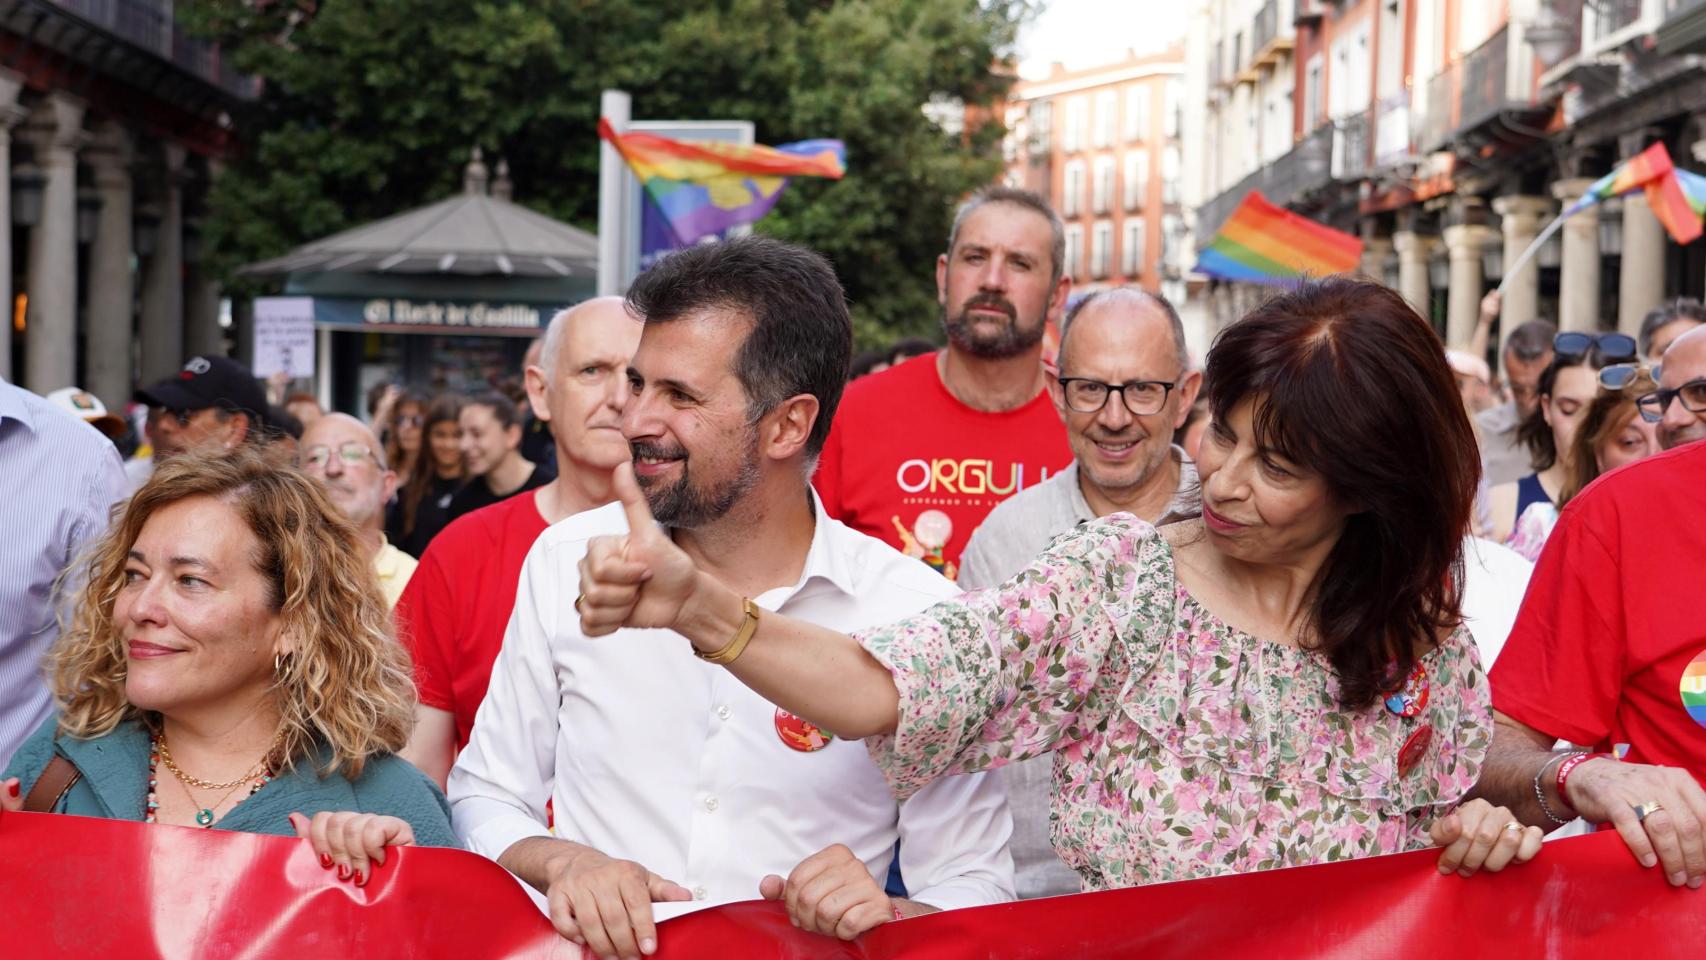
column 1578, row 294
column 202, row 333
column 10, row 116
column 112, row 282
column 1376, row 251
column 1413, row 252
column 50, row 339
column 1641, row 281
column 163, row 279
column 1521, row 219
column 1465, row 244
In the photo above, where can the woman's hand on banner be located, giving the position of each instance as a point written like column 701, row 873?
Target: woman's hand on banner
column 353, row 842
column 1479, row 836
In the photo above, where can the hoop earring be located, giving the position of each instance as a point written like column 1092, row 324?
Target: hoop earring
column 280, row 663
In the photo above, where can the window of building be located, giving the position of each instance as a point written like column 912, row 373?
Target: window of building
column 1101, row 249
column 1312, row 93
column 1136, row 178
column 1075, row 251
column 1102, row 188
column 1136, row 113
column 1077, row 118
column 1175, row 107
column 1073, row 189
column 1131, row 248
column 1042, row 126
column 1107, row 118
column 1171, row 171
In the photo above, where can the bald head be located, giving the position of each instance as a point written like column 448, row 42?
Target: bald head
column 549, row 348
column 1684, row 363
column 1155, row 317
column 346, row 457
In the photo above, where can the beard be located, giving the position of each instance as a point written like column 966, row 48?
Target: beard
column 686, row 504
column 1010, row 340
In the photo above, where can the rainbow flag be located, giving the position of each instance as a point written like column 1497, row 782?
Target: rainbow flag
column 1678, row 206
column 703, row 189
column 1262, row 243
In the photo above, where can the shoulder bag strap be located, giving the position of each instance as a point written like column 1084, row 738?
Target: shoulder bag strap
column 54, row 781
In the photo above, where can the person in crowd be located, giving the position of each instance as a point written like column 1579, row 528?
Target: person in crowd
column 345, row 456
column 88, row 408
column 906, row 348
column 403, row 436
column 1474, row 381
column 305, row 407
column 61, row 479
column 668, row 781
column 1664, row 323
column 1567, row 385
column 1505, row 458
column 1603, row 644
column 231, row 665
column 1678, row 407
column 422, row 507
column 1272, row 686
column 979, row 422
column 536, row 442
column 214, row 403
column 491, row 449
column 455, row 610
column 1610, row 435
column 1125, row 385
column 867, row 362
column 1196, row 424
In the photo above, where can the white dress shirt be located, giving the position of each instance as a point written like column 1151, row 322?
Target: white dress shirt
column 649, row 754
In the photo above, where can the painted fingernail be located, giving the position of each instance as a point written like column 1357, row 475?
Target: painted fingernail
column 361, row 877
column 343, row 872
column 12, row 788
column 1678, row 878
column 325, row 861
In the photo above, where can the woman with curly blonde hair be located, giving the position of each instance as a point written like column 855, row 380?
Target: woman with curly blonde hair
column 230, row 664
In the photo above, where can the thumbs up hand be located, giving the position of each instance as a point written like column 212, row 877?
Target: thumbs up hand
column 641, row 579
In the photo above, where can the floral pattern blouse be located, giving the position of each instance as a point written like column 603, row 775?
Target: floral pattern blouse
column 1183, row 748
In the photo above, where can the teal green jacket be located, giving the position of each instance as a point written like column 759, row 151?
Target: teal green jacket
column 115, row 785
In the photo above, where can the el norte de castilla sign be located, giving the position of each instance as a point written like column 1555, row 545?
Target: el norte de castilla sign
column 432, row 315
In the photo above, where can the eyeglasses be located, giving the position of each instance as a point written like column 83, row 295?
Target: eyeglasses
column 319, row 454
column 1692, row 394
column 1612, row 346
column 1142, row 397
column 1620, row 375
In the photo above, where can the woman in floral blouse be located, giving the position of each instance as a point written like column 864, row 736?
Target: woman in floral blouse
column 1286, row 681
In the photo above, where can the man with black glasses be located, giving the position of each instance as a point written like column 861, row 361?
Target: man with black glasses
column 1679, row 405
column 1125, row 387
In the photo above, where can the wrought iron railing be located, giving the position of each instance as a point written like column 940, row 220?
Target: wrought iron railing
column 148, row 25
column 1308, row 166
column 1392, row 129
column 1265, row 28
column 1351, row 153
column 1611, row 16
column 1487, row 88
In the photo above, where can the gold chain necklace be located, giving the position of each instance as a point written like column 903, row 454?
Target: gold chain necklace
column 166, row 758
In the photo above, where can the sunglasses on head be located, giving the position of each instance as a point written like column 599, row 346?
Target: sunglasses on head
column 1620, row 375
column 1573, row 345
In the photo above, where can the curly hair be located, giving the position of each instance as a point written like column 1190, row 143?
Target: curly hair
column 345, row 694
column 1349, row 381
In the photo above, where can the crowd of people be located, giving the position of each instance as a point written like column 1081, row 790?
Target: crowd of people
column 720, row 611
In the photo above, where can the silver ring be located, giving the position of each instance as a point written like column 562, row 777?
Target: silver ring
column 1645, row 810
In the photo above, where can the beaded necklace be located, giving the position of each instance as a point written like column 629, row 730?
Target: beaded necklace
column 204, row 816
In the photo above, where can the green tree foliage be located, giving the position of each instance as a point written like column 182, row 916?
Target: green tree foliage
column 371, row 105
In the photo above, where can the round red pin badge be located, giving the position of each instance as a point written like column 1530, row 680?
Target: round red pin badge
column 1414, row 749
column 800, row 734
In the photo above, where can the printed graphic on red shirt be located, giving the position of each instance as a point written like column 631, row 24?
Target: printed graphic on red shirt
column 909, row 464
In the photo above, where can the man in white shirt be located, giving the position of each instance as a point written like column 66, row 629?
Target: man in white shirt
column 669, row 780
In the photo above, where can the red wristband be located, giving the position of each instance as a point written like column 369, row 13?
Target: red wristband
column 1571, row 764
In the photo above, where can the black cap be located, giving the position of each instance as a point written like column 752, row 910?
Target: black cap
column 209, row 382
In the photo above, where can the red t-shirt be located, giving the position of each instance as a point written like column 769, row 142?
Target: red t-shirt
column 454, row 611
column 1610, row 644
column 903, row 446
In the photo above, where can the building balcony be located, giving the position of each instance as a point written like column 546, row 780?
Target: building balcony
column 1352, row 156
column 1306, row 168
column 1270, row 41
column 144, row 26
column 1392, row 129
column 1473, row 93
column 1683, row 29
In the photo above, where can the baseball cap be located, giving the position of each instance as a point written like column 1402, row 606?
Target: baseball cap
column 209, row 382
column 87, row 407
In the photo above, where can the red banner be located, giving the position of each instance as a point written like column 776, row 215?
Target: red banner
column 77, row 887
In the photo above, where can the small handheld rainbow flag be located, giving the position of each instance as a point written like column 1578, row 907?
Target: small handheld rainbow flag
column 1668, row 196
column 1262, row 243
column 703, row 189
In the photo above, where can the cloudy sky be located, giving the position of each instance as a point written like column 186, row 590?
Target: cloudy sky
column 1084, row 33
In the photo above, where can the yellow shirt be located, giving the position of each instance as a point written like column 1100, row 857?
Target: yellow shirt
column 394, row 568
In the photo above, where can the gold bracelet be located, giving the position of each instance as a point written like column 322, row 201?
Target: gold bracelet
column 743, row 636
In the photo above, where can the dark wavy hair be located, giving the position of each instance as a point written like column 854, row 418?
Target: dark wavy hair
column 442, row 408
column 1348, row 381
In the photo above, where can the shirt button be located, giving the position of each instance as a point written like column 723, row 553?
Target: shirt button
column 711, row 803
column 698, row 893
column 723, row 712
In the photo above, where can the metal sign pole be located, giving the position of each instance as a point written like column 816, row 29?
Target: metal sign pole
column 614, row 106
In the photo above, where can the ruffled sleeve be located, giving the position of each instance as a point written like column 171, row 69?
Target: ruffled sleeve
column 1015, row 671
